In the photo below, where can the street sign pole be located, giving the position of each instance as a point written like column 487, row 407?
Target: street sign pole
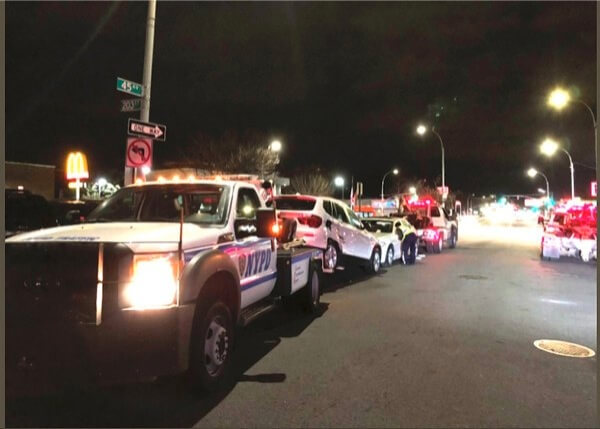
column 131, row 173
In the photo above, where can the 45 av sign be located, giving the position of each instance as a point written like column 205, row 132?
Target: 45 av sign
column 130, row 87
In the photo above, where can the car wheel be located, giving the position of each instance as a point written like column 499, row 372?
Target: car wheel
column 311, row 299
column 375, row 261
column 453, row 238
column 211, row 347
column 437, row 247
column 389, row 257
column 330, row 256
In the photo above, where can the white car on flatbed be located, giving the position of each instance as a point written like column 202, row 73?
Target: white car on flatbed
column 330, row 225
column 153, row 283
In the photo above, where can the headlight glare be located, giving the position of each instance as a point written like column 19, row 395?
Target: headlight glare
column 153, row 282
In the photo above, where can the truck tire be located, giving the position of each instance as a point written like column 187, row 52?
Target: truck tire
column 375, row 261
column 453, row 238
column 437, row 247
column 211, row 345
column 429, row 247
column 311, row 294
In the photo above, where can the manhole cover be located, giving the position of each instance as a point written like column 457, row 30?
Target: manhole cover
column 564, row 348
column 472, row 277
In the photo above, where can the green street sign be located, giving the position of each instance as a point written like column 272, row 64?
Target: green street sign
column 130, row 87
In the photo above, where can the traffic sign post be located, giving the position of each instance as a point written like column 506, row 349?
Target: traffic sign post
column 147, row 129
column 139, row 152
column 443, row 190
column 131, row 105
column 130, row 87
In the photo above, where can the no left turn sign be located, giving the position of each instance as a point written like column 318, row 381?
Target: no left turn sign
column 139, row 152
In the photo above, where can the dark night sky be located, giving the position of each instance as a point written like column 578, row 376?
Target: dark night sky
column 342, row 84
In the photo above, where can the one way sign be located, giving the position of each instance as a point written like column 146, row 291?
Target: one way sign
column 147, row 129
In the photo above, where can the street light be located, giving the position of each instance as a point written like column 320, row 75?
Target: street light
column 421, row 130
column 395, row 171
column 275, row 146
column 560, row 98
column 532, row 172
column 549, row 148
column 339, row 182
column 541, row 191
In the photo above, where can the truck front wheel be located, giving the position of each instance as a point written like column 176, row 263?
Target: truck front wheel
column 211, row 347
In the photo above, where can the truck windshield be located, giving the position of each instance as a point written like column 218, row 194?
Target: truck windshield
column 204, row 204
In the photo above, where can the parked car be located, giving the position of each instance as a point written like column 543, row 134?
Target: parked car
column 72, row 212
column 25, row 211
column 330, row 225
column 391, row 232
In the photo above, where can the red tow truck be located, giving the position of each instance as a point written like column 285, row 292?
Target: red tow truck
column 435, row 227
column 571, row 231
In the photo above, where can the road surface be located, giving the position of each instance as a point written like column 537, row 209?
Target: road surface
column 445, row 343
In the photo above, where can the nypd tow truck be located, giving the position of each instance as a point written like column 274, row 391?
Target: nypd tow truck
column 153, row 283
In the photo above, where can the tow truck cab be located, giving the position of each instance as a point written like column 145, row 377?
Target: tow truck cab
column 153, row 283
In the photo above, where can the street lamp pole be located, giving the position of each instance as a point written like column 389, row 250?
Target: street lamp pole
column 595, row 126
column 572, row 173
column 443, row 164
column 395, row 171
column 147, row 78
column 547, row 184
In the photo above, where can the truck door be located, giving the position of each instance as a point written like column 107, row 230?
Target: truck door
column 255, row 257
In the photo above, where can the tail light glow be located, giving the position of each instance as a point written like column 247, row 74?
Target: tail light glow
column 312, row 221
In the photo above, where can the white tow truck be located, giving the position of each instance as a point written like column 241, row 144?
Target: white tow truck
column 153, row 283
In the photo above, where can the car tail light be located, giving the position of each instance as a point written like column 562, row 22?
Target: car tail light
column 313, row 221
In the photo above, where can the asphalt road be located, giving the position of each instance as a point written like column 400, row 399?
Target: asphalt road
column 445, row 343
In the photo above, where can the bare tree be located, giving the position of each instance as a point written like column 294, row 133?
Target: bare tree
column 312, row 182
column 230, row 153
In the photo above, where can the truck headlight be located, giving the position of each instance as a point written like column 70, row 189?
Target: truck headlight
column 153, row 282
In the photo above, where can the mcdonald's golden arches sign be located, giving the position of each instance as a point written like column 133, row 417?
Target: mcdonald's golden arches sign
column 77, row 167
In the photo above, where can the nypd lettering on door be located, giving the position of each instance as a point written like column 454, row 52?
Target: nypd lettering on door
column 254, row 263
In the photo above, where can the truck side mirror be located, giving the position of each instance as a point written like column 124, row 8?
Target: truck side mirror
column 266, row 223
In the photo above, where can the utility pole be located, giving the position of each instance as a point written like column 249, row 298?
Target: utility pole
column 131, row 173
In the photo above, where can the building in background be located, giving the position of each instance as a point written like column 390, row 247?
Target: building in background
column 36, row 178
